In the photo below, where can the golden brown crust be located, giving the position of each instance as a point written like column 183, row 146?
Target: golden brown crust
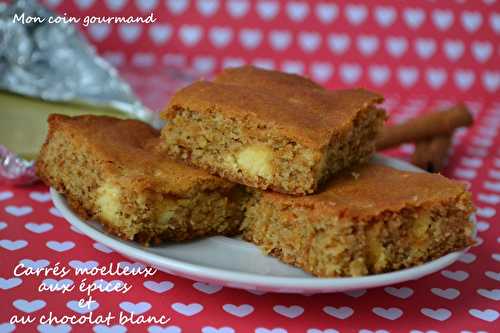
column 123, row 142
column 109, row 170
column 293, row 105
column 250, row 76
column 368, row 190
column 373, row 220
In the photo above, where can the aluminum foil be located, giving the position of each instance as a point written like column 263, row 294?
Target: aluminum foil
column 14, row 169
column 54, row 62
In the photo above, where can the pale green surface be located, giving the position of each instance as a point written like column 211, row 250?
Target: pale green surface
column 23, row 121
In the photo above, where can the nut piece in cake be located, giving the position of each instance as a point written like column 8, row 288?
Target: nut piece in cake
column 369, row 220
column 109, row 169
column 271, row 130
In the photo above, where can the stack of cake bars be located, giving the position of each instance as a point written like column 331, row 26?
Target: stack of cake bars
column 270, row 155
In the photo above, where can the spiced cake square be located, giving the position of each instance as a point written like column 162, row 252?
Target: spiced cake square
column 371, row 219
column 271, row 130
column 110, row 170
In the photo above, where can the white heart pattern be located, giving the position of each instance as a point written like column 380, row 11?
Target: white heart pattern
column 129, row 33
column 326, row 12
column 190, row 35
column 160, row 33
column 293, row 67
column 471, row 21
column 493, row 275
column 18, row 211
column 438, row 314
column 29, row 306
column 81, row 265
column 7, row 328
column 116, row 5
column 37, row 196
column 449, row 293
column 309, row 41
column 414, row 17
column 158, row 287
column 211, row 329
column 385, row 15
column 6, row 284
column 356, row 14
column 207, row 288
column 99, row 31
column 339, row 43
column 84, row 4
column 146, row 6
column 60, row 246
column 109, row 329
column 488, row 315
column 442, row 19
column 342, row 312
column 177, row 7
column 367, row 44
column 267, row 9
column 468, row 257
column 389, row 313
column 34, row 264
column 493, row 294
column 250, row 38
column 379, row 75
column 38, row 228
column 241, row 311
column 455, row 275
column 135, row 308
column 238, row 8
column 167, row 329
column 280, row 39
column 407, row 76
column 356, row 293
column 207, row 7
column 103, row 248
column 321, row 71
column 292, row 311
column 402, row 293
column 187, row 309
column 425, row 47
column 297, row 11
column 350, row 73
column 453, row 49
column 270, row 330
column 13, row 245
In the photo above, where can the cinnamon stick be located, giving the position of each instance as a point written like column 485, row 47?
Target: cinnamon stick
column 431, row 154
column 425, row 127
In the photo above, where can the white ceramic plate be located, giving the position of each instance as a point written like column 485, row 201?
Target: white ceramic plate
column 235, row 263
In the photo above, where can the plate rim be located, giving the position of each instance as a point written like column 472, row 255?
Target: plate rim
column 264, row 282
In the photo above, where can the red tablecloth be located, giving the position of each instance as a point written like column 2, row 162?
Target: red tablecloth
column 421, row 55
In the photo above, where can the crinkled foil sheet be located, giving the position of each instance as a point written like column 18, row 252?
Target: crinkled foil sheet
column 55, row 63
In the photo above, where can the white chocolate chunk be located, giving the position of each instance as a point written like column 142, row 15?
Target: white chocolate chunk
column 256, row 160
column 167, row 211
column 421, row 225
column 108, row 201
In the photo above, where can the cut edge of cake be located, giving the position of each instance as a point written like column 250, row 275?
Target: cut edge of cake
column 327, row 241
column 228, row 129
column 132, row 204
